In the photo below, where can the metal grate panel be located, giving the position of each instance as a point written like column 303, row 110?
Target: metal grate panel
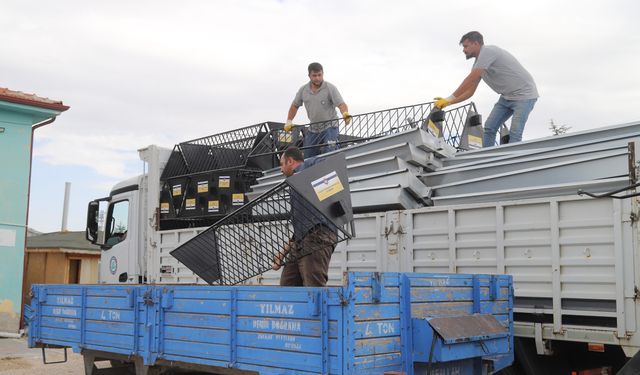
column 257, row 146
column 245, row 243
column 220, row 151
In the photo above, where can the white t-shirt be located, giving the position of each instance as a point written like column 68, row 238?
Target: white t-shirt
column 505, row 75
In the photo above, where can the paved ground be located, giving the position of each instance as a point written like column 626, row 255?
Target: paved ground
column 16, row 358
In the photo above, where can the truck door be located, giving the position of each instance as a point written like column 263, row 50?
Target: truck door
column 117, row 264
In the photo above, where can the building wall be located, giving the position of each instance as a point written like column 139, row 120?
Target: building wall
column 16, row 121
column 50, row 266
column 89, row 270
column 15, row 144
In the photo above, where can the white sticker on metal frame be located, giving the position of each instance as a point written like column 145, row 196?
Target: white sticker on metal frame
column 327, row 186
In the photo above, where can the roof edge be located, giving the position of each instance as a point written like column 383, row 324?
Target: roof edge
column 18, row 97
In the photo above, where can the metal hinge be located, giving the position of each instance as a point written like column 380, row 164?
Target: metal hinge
column 393, row 228
column 344, row 300
column 148, row 299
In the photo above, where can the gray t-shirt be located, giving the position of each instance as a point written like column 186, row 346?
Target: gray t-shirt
column 320, row 106
column 504, row 74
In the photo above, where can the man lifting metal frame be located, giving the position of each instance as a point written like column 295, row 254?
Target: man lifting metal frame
column 244, row 243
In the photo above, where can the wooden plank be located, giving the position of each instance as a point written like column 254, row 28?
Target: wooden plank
column 89, row 270
column 56, row 269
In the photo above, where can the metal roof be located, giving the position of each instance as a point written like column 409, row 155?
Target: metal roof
column 61, row 240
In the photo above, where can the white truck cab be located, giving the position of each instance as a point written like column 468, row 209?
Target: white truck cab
column 123, row 223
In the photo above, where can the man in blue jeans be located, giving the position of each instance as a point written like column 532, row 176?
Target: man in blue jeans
column 320, row 98
column 506, row 76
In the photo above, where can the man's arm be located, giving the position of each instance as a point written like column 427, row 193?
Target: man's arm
column 468, row 86
column 288, row 125
column 279, row 258
column 293, row 110
column 466, row 89
column 344, row 110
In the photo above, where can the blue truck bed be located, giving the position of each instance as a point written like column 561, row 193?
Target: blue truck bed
column 376, row 323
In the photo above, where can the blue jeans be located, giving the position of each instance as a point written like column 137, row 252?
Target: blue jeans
column 500, row 113
column 329, row 135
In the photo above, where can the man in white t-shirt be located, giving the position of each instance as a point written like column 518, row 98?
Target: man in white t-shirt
column 506, row 76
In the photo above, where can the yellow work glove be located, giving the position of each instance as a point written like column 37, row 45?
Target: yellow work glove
column 288, row 126
column 347, row 117
column 443, row 102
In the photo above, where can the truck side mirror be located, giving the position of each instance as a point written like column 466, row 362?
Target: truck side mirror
column 95, row 220
column 92, row 221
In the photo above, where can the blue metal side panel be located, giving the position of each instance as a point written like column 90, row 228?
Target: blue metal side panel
column 360, row 328
column 85, row 317
column 377, row 321
column 275, row 329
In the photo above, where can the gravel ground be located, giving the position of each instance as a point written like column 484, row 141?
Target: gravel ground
column 16, row 358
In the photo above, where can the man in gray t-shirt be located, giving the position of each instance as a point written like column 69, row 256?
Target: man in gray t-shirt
column 320, row 98
column 506, row 76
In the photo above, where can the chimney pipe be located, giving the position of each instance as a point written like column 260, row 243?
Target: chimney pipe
column 65, row 207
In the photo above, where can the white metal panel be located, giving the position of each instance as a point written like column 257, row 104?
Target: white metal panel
column 565, row 249
column 176, row 272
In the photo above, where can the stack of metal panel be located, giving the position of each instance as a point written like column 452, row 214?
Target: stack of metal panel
column 597, row 161
column 384, row 170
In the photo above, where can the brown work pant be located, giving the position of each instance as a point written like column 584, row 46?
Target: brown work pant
column 312, row 269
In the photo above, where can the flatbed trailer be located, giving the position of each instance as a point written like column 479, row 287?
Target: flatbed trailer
column 375, row 323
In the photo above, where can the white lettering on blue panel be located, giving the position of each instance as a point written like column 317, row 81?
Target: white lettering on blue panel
column 367, row 330
column 71, row 324
column 440, row 282
column 276, row 309
column 385, row 328
column 260, row 324
column 65, row 312
column 292, row 345
column 64, row 300
column 286, row 325
column 109, row 315
column 285, row 338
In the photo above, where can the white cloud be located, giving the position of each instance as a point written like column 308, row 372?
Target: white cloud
column 136, row 73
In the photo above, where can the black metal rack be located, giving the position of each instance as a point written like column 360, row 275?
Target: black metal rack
column 255, row 148
column 226, row 150
column 247, row 242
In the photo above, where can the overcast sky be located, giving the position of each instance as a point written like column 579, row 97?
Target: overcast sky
column 161, row 72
